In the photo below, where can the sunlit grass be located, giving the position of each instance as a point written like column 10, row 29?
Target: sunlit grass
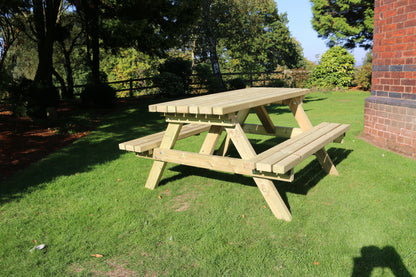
column 89, row 198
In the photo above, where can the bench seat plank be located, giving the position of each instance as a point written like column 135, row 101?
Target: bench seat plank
column 288, row 154
column 150, row 142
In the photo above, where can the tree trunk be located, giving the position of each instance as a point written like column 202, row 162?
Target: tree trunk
column 214, row 61
column 69, row 92
column 3, row 56
column 45, row 14
column 61, row 81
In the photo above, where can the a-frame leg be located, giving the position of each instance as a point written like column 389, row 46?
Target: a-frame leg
column 241, row 118
column 295, row 106
column 265, row 119
column 267, row 188
column 211, row 140
column 168, row 142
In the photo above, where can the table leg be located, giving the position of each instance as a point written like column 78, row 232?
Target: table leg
column 265, row 119
column 241, row 118
column 295, row 106
column 211, row 140
column 267, row 187
column 168, row 141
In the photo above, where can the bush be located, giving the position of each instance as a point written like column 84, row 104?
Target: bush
column 27, row 97
column 335, row 69
column 169, row 84
column 277, row 83
column 363, row 76
column 207, row 79
column 175, row 77
column 98, row 95
column 40, row 98
column 237, row 83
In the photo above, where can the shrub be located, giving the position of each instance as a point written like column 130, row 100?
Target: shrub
column 278, row 83
column 175, row 70
column 169, row 84
column 207, row 79
column 98, row 95
column 40, row 98
column 27, row 97
column 363, row 76
column 237, row 83
column 335, row 69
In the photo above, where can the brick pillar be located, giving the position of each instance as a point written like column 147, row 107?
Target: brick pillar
column 390, row 112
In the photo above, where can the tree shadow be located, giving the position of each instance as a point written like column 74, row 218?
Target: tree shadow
column 373, row 257
column 100, row 147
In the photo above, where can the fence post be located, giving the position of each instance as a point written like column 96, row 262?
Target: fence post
column 131, row 87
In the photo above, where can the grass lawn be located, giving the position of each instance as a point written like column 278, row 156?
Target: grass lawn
column 89, row 198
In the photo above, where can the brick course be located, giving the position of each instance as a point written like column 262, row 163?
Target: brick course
column 390, row 112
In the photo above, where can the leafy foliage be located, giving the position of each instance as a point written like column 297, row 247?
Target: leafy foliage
column 349, row 23
column 364, row 73
column 236, row 83
column 31, row 98
column 335, row 69
column 98, row 95
column 208, row 80
column 174, row 78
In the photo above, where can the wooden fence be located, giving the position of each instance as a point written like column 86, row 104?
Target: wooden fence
column 145, row 86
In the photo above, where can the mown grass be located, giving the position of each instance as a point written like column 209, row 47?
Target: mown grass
column 89, row 198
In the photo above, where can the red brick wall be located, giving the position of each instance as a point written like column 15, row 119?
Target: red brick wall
column 390, row 112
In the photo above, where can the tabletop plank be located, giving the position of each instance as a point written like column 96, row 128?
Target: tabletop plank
column 229, row 101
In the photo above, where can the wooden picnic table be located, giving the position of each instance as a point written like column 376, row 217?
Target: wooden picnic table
column 227, row 112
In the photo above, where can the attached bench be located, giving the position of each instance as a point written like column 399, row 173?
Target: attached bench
column 286, row 155
column 148, row 143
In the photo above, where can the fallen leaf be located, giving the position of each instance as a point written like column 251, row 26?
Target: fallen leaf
column 97, row 255
column 160, row 196
column 243, row 216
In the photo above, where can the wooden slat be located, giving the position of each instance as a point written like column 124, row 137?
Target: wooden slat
column 279, row 131
column 292, row 145
column 219, row 163
column 152, row 141
column 228, row 102
column 312, row 147
column 286, row 143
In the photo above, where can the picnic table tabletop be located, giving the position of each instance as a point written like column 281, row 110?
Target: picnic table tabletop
column 229, row 101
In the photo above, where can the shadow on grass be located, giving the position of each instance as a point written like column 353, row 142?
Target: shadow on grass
column 100, row 147
column 373, row 257
column 307, row 178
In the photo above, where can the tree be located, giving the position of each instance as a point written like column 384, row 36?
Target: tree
column 335, row 69
column 150, row 26
column 348, row 22
column 245, row 35
column 258, row 37
column 9, row 27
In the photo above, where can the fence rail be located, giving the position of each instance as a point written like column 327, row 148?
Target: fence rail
column 145, row 86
